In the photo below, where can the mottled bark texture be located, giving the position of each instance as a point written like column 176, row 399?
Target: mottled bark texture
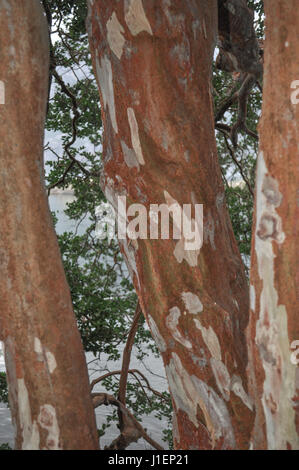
column 152, row 60
column 274, row 290
column 48, row 383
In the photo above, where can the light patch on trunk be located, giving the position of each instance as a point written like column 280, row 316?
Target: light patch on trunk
column 211, row 340
column 30, row 433
column 38, row 347
column 111, row 194
column 238, row 389
column 2, row 92
column 216, row 415
column 181, row 386
column 252, row 298
column 172, row 321
column 189, row 392
column 51, row 361
column 130, row 157
column 157, row 335
column 272, row 327
column 115, row 36
column 44, row 355
column 222, row 377
column 130, row 258
column 136, row 18
column 105, row 79
column 47, row 420
column 135, row 135
column 180, row 252
column 192, row 303
column 220, row 198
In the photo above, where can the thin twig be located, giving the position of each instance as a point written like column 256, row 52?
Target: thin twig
column 127, row 356
column 133, row 432
column 234, row 158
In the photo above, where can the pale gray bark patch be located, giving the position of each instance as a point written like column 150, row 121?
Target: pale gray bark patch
column 135, row 135
column 44, row 355
column 172, row 322
column 115, row 36
column 222, row 377
column 238, row 389
column 189, row 392
column 192, row 303
column 47, row 420
column 129, row 156
column 30, row 432
column 136, row 18
column 211, row 340
column 157, row 335
column 105, row 79
column 252, row 298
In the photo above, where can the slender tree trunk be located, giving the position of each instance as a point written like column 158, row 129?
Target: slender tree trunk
column 152, row 60
column 47, row 376
column 274, row 290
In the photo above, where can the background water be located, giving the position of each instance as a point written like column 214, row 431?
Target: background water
column 151, row 367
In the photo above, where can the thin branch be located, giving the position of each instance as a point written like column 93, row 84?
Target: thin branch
column 229, row 100
column 243, row 95
column 62, row 179
column 234, row 158
column 73, row 138
column 133, row 372
column 127, row 356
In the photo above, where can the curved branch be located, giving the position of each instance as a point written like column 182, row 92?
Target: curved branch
column 234, row 158
column 127, row 356
column 133, row 430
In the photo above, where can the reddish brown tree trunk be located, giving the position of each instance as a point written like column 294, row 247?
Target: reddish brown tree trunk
column 153, row 62
column 275, row 262
column 46, row 369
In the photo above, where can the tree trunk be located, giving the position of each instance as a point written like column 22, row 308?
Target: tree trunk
column 275, row 262
column 47, row 376
column 152, row 60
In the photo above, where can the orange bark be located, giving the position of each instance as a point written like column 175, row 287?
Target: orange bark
column 47, row 376
column 275, row 263
column 152, row 60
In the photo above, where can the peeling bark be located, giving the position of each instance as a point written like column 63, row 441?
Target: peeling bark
column 47, row 376
column 153, row 62
column 274, row 380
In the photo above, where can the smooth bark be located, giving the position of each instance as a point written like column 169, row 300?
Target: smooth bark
column 274, row 280
column 47, row 376
column 152, row 60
